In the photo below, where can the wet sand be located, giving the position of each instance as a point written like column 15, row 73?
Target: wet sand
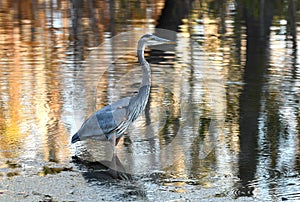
column 72, row 185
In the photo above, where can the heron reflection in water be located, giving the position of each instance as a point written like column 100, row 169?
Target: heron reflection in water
column 110, row 122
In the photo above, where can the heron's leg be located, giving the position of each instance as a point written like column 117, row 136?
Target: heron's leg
column 113, row 161
column 113, row 142
column 113, row 167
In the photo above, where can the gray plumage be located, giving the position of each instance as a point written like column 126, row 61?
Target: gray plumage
column 113, row 120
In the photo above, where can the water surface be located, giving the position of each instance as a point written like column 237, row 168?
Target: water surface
column 222, row 121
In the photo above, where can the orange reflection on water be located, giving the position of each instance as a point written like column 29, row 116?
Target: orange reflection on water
column 30, row 93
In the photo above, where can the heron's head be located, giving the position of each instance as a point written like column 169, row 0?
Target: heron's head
column 150, row 40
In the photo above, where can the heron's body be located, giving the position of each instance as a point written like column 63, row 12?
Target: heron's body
column 110, row 122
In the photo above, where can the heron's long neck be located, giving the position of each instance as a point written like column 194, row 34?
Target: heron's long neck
column 146, row 81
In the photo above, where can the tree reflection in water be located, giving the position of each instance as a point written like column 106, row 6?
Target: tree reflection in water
column 252, row 44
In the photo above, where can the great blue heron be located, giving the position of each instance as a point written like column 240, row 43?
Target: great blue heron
column 110, row 122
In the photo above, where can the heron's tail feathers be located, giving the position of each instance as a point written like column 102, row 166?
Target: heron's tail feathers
column 75, row 138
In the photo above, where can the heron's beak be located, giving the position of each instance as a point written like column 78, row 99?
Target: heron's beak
column 157, row 41
column 171, row 42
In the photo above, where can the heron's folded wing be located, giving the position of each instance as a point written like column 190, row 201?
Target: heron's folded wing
column 111, row 116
